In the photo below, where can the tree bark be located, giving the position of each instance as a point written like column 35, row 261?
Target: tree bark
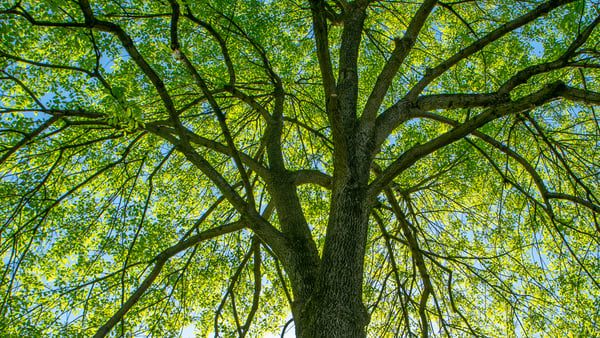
column 336, row 308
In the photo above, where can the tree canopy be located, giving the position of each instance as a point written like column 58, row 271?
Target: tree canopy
column 338, row 168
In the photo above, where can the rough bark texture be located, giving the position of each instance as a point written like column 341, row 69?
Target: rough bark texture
column 336, row 308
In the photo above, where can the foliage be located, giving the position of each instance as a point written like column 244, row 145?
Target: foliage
column 151, row 153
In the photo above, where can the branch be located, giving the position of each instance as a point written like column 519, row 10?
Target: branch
column 250, row 101
column 95, row 74
column 577, row 200
column 561, row 158
column 275, row 79
column 525, row 164
column 28, row 137
column 257, row 286
column 319, row 18
column 18, row 10
column 258, row 168
column 158, row 128
column 46, row 65
column 25, row 88
column 265, row 230
column 327, row 142
column 402, row 48
column 129, row 46
column 524, row 75
column 449, row 7
column 301, row 177
column 403, row 110
column 220, row 40
column 390, row 249
column 160, row 261
column 417, row 256
column 481, row 43
column 233, row 280
column 580, row 95
column 418, row 151
column 347, row 87
column 213, row 103
column 399, row 112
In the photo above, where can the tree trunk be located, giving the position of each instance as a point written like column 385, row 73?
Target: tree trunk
column 335, row 308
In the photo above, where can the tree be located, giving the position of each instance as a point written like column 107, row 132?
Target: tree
column 368, row 167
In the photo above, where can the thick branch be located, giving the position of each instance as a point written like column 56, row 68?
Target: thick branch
column 129, row 46
column 580, row 95
column 319, row 17
column 401, row 50
column 169, row 133
column 481, row 43
column 301, row 177
column 525, row 74
column 399, row 112
column 419, row 151
column 404, row 110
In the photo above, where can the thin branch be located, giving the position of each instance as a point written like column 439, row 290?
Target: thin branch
column 29, row 137
column 233, row 280
column 257, row 286
column 159, row 262
column 213, row 103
